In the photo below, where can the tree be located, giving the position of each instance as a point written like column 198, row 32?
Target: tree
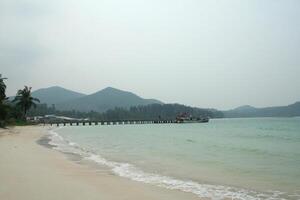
column 2, row 89
column 25, row 101
column 3, row 106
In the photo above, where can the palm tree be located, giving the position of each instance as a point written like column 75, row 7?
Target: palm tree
column 24, row 100
column 2, row 89
column 4, row 108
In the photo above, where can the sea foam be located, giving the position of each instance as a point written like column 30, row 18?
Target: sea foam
column 214, row 192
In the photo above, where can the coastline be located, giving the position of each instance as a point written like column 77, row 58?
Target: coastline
column 30, row 170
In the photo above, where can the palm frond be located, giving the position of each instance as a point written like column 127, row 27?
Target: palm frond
column 24, row 100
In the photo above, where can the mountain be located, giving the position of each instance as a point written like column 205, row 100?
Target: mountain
column 245, row 108
column 110, row 98
column 277, row 111
column 55, row 95
column 105, row 99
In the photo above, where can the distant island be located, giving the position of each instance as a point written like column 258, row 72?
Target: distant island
column 292, row 110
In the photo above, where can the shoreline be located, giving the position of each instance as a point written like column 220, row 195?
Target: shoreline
column 30, row 169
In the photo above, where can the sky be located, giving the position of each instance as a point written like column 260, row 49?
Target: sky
column 206, row 53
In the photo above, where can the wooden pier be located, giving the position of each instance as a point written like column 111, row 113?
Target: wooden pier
column 111, row 122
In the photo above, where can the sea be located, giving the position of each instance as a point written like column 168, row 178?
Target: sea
column 242, row 158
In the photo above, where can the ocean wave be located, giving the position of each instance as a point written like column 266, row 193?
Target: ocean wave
column 214, row 192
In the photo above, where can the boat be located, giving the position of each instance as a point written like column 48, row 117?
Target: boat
column 185, row 118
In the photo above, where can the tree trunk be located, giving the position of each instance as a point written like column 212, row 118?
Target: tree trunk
column 25, row 112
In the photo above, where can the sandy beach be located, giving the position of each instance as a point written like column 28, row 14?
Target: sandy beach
column 30, row 171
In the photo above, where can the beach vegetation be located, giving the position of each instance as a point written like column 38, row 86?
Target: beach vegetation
column 4, row 107
column 25, row 101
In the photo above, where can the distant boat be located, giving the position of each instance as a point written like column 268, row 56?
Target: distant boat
column 184, row 118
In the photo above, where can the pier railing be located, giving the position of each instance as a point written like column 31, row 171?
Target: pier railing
column 107, row 122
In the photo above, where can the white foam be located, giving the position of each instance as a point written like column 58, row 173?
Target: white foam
column 65, row 146
column 73, row 144
column 214, row 192
column 55, row 139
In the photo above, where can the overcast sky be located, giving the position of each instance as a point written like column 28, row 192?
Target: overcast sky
column 206, row 53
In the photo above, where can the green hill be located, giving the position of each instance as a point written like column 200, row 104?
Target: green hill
column 105, row 99
column 55, row 95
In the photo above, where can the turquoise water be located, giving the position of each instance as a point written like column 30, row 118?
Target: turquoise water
column 255, row 158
